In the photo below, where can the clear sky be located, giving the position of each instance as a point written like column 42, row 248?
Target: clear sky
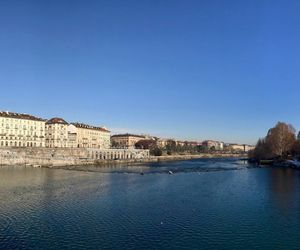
column 202, row 69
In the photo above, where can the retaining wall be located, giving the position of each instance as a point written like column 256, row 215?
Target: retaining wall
column 66, row 156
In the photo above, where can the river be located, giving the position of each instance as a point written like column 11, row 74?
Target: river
column 204, row 204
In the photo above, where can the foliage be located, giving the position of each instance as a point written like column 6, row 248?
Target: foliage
column 171, row 146
column 262, row 150
column 298, row 136
column 156, row 151
column 296, row 148
column 146, row 144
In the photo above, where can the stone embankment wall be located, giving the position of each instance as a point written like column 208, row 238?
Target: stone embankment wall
column 198, row 156
column 66, row 156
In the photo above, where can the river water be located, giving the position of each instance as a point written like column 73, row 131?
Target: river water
column 204, row 204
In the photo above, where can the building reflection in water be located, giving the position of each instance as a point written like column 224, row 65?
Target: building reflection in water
column 42, row 190
column 284, row 184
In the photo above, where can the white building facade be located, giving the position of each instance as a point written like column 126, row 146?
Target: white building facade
column 87, row 136
column 21, row 130
column 56, row 133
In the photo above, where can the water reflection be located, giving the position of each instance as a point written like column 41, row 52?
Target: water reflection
column 284, row 187
column 13, row 177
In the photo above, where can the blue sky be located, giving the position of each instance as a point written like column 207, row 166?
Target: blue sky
column 187, row 69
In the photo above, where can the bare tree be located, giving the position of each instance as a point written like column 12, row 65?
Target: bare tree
column 262, row 150
column 146, row 144
column 281, row 139
column 279, row 143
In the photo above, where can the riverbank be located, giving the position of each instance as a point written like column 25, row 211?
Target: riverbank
column 196, row 156
column 295, row 164
column 152, row 159
column 59, row 157
column 47, row 157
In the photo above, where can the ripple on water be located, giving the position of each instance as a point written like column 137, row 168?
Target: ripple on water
column 187, row 211
column 5, row 222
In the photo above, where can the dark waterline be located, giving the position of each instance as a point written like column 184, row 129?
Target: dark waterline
column 205, row 204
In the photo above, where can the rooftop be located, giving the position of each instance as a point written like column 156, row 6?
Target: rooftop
column 20, row 116
column 86, row 126
column 128, row 135
column 56, row 120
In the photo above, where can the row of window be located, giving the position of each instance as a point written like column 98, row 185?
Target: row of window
column 92, row 133
column 16, row 126
column 20, row 132
column 55, row 126
column 28, row 138
column 56, row 134
column 51, row 145
column 20, row 144
column 12, row 120
column 56, row 139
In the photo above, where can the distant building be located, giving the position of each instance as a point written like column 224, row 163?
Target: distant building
column 21, row 130
column 249, row 147
column 60, row 134
column 210, row 144
column 161, row 143
column 180, row 143
column 126, row 140
column 72, row 137
column 239, row 147
column 87, row 136
column 149, row 137
column 56, row 133
column 193, row 143
column 187, row 143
